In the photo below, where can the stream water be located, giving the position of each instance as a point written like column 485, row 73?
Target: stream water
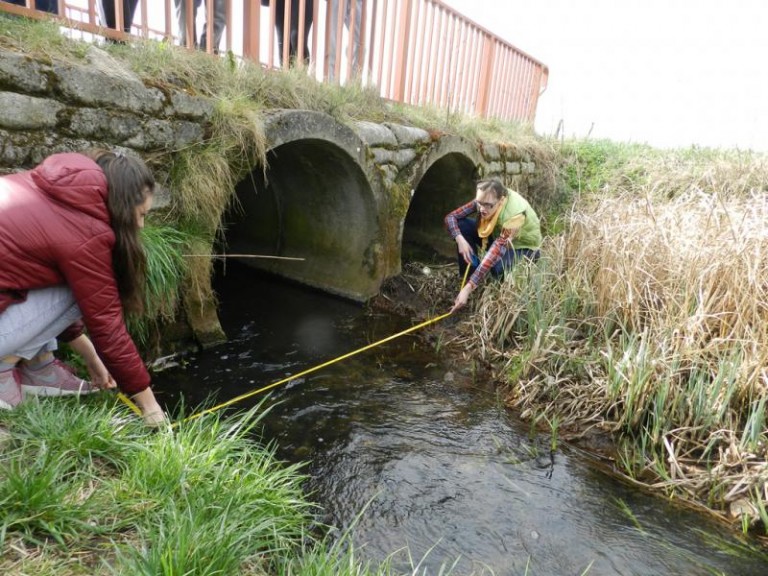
column 421, row 462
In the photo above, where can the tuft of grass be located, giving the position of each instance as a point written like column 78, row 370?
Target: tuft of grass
column 52, row 464
column 39, row 37
column 38, row 493
column 109, row 497
column 167, row 269
column 216, row 504
column 165, row 248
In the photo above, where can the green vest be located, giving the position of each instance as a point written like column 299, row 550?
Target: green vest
column 529, row 235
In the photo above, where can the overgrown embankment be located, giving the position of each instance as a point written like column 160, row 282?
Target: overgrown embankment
column 646, row 321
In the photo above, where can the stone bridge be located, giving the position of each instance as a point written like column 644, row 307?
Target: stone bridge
column 348, row 199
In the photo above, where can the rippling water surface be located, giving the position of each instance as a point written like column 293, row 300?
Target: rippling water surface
column 422, row 461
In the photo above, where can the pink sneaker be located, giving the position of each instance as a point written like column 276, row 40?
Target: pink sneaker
column 54, row 379
column 10, row 390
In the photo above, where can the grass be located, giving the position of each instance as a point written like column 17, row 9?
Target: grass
column 168, row 268
column 86, row 489
column 83, row 478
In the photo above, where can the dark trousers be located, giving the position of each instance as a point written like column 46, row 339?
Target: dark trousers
column 129, row 9
column 293, row 47
column 51, row 6
column 468, row 228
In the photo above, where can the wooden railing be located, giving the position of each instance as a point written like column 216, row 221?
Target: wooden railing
column 419, row 52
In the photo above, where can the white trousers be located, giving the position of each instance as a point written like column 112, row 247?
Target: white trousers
column 30, row 327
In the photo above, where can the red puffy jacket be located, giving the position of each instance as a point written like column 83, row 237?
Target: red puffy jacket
column 54, row 229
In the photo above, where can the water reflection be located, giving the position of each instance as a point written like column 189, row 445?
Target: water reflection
column 417, row 455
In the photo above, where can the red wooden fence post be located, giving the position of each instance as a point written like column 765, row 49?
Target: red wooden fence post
column 484, row 82
column 401, row 55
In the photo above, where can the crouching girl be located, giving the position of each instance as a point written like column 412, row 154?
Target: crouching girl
column 70, row 249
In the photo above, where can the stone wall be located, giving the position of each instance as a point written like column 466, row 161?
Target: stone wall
column 48, row 107
column 395, row 148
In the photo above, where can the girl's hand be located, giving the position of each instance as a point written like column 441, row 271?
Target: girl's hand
column 97, row 372
column 151, row 412
column 99, row 375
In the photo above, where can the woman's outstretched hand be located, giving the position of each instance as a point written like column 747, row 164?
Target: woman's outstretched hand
column 461, row 298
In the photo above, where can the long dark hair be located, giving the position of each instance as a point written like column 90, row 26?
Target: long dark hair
column 129, row 182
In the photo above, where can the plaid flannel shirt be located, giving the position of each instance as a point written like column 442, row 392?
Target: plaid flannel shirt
column 493, row 254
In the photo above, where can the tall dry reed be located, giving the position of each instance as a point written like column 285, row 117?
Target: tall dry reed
column 648, row 319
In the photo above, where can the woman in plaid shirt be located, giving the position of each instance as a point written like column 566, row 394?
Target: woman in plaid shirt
column 505, row 229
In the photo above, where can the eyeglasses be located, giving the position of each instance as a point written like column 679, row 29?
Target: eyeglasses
column 487, row 205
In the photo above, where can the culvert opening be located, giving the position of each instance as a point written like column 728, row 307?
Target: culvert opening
column 313, row 203
column 447, row 184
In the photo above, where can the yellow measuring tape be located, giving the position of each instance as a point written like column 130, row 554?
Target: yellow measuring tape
column 236, row 399
column 313, row 369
